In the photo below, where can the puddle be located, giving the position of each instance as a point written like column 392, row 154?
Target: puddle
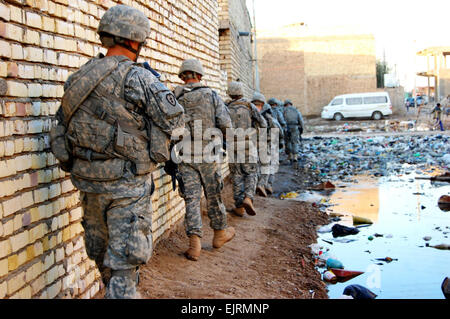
column 406, row 210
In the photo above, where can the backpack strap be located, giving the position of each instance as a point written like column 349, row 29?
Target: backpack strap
column 88, row 80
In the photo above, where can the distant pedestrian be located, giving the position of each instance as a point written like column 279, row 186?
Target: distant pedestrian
column 437, row 111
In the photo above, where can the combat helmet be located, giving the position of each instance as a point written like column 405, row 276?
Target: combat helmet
column 235, row 88
column 192, row 65
column 272, row 101
column 123, row 22
column 287, row 101
column 257, row 96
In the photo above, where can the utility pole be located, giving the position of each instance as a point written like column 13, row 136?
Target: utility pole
column 255, row 54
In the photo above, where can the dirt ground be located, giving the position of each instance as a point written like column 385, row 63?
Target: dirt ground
column 268, row 258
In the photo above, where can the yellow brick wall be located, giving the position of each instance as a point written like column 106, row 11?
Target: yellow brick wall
column 236, row 53
column 42, row 42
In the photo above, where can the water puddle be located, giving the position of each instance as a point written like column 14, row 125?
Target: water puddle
column 404, row 211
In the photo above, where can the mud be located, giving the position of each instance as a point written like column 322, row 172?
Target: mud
column 268, row 258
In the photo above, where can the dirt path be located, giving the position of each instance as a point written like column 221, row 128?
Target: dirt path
column 268, row 258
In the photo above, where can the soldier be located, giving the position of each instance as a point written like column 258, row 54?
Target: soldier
column 114, row 126
column 245, row 116
column 294, row 121
column 202, row 104
column 266, row 169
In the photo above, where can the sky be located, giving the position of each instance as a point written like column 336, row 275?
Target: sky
column 401, row 27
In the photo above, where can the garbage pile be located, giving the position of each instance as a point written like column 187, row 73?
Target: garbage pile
column 341, row 158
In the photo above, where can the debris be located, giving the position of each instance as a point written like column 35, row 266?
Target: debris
column 386, row 259
column 340, row 230
column 427, row 238
column 334, row 263
column 328, row 242
column 422, row 207
column 344, row 275
column 388, row 236
column 361, row 220
column 441, row 246
column 324, row 185
column 329, row 276
column 344, row 240
column 370, row 238
column 378, row 235
column 444, row 203
column 289, row 195
column 418, row 193
column 359, row 292
column 446, row 288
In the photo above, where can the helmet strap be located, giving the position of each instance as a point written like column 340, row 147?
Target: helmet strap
column 131, row 49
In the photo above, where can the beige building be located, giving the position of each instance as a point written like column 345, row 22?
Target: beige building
column 438, row 68
column 311, row 67
column 42, row 252
column 236, row 43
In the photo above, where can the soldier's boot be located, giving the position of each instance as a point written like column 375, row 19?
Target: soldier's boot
column 123, row 284
column 269, row 190
column 248, row 205
column 261, row 191
column 239, row 211
column 223, row 236
column 195, row 246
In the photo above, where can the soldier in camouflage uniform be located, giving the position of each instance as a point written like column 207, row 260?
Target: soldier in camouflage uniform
column 295, row 125
column 277, row 111
column 266, row 169
column 244, row 115
column 201, row 103
column 110, row 109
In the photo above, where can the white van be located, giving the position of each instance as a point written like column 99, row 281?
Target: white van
column 374, row 105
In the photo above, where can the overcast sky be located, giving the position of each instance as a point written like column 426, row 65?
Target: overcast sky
column 401, row 27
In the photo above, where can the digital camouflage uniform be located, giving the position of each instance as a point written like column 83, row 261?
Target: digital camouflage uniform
column 107, row 110
column 244, row 115
column 202, row 103
column 267, row 169
column 294, row 122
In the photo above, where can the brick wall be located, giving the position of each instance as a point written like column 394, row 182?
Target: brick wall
column 42, row 42
column 311, row 69
column 236, row 52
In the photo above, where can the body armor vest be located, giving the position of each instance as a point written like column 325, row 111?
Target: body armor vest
column 104, row 129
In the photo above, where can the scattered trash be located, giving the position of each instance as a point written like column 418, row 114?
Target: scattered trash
column 328, row 242
column 289, row 195
column 367, row 251
column 444, row 203
column 427, row 238
column 359, row 292
column 325, row 229
column 340, row 230
column 361, row 220
column 446, row 288
column 334, row 263
column 329, row 276
column 370, row 238
column 418, row 193
column 386, row 259
column 344, row 275
column 344, row 240
column 422, row 207
column 324, row 185
column 441, row 246
column 388, row 236
column 378, row 235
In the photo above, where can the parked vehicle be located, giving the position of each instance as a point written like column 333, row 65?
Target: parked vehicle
column 373, row 105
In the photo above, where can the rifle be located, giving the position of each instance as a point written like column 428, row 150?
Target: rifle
column 172, row 169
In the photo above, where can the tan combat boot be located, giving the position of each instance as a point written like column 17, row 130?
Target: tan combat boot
column 222, row 236
column 248, row 205
column 261, row 191
column 195, row 246
column 239, row 211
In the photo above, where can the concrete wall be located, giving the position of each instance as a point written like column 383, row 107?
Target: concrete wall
column 236, row 52
column 42, row 42
column 311, row 70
